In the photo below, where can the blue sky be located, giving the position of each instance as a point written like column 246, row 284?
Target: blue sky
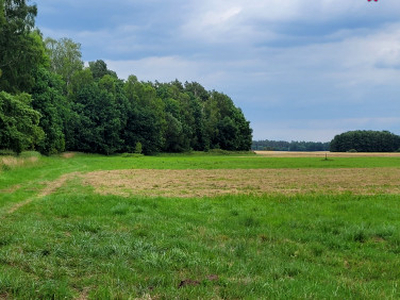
column 299, row 69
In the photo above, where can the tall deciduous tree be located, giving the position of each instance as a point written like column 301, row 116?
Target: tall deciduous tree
column 99, row 69
column 98, row 114
column 146, row 117
column 21, row 47
column 50, row 102
column 65, row 57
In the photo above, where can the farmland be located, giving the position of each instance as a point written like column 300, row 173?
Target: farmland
column 315, row 226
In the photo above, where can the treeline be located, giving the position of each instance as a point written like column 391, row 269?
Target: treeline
column 269, row 145
column 366, row 141
column 50, row 102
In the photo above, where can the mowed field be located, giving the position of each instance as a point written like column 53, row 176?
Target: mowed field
column 267, row 226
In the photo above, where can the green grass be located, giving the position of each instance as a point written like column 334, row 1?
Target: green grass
column 74, row 243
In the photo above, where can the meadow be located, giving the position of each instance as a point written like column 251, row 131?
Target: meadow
column 264, row 226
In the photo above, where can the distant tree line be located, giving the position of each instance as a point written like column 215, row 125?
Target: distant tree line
column 351, row 141
column 366, row 141
column 270, row 145
column 50, row 102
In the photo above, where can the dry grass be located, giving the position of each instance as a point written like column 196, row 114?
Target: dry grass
column 17, row 206
column 52, row 186
column 68, row 155
column 200, row 183
column 324, row 153
column 13, row 162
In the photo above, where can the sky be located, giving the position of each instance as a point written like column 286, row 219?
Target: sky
column 301, row 70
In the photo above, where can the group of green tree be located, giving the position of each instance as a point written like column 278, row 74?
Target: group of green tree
column 350, row 141
column 366, row 141
column 270, row 145
column 51, row 102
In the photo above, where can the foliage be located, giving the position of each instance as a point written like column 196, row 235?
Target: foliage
column 365, row 141
column 270, row 145
column 21, row 46
column 138, row 148
column 65, row 57
column 145, row 117
column 19, row 128
column 97, row 125
column 99, row 69
column 53, row 107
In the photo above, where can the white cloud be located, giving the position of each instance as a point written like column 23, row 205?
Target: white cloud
column 163, row 69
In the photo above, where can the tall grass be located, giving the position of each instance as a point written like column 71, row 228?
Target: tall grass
column 9, row 162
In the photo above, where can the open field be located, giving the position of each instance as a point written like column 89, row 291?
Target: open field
column 214, row 227
column 325, row 153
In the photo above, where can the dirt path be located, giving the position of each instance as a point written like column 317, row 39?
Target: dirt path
column 50, row 188
column 11, row 189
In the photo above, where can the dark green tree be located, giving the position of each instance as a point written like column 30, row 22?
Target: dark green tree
column 196, row 90
column 21, row 47
column 97, row 123
column 365, row 141
column 227, row 134
column 49, row 101
column 99, row 69
column 174, row 135
column 226, row 125
column 146, row 117
column 19, row 123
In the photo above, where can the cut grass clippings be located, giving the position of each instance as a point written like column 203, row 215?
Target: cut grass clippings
column 200, row 183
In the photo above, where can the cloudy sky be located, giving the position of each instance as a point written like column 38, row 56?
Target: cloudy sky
column 299, row 69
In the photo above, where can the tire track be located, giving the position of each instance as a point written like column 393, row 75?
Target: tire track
column 50, row 188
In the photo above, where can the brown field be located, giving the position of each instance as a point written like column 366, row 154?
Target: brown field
column 200, row 183
column 326, row 153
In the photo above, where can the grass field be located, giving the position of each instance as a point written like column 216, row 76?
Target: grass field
column 81, row 226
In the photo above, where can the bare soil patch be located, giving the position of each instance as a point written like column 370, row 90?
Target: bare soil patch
column 200, row 183
column 322, row 154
